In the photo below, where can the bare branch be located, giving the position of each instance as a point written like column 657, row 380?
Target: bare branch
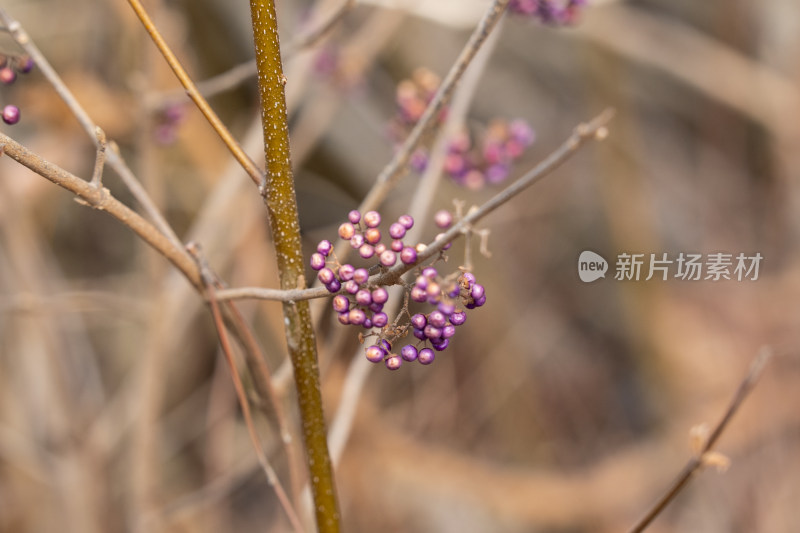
column 101, row 198
column 114, row 158
column 704, row 456
column 100, row 159
column 209, row 283
column 194, row 93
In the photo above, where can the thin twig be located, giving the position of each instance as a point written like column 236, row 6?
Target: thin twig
column 702, row 456
column 242, row 72
column 100, row 159
column 103, row 200
column 194, row 93
column 113, row 156
column 209, row 283
column 593, row 130
column 312, row 37
column 396, row 167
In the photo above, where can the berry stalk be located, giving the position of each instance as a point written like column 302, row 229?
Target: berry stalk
column 279, row 196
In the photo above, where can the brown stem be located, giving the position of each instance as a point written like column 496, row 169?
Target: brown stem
column 279, row 197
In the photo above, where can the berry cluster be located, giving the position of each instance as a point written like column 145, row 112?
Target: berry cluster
column 472, row 164
column 551, row 12
column 10, row 66
column 502, row 144
column 359, row 304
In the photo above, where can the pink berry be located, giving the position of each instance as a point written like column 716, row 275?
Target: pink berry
column 7, row 75
column 347, row 231
column 407, row 221
column 375, row 353
column 393, row 362
column 10, row 114
column 372, row 219
column 443, row 218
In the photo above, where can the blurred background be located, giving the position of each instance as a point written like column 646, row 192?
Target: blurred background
column 561, row 406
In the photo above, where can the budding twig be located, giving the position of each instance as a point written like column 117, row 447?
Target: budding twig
column 100, row 159
column 704, row 456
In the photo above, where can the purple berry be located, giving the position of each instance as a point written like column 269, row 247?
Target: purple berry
column 397, row 245
column 440, row 345
column 357, row 316
column 372, row 219
column 443, row 218
column 375, row 307
column 10, row 114
column 380, row 295
column 375, row 353
column 458, row 318
column 419, row 321
column 477, row 291
column 344, row 318
column 421, row 282
column 420, row 334
column 434, row 292
column 480, row 301
column 317, row 261
column 324, row 247
column 431, row 332
column 380, row 248
column 437, row 319
column 367, row 323
column 346, row 272
column 341, row 303
column 379, row 320
column 393, row 362
column 408, row 255
column 351, row 287
column 333, row 286
column 356, row 241
column 354, row 216
column 497, row 173
column 361, row 276
column 347, row 231
column 386, row 345
column 418, row 294
column 24, row 64
column 363, row 297
column 448, row 331
column 447, row 308
column 326, row 275
column 366, row 251
column 409, row 353
column 406, row 221
column 426, row 356
column 388, row 258
column 429, row 272
column 397, row 231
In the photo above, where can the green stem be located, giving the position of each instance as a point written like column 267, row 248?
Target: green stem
column 279, row 197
